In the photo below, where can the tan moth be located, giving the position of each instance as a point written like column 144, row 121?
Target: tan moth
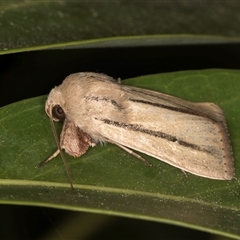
column 95, row 108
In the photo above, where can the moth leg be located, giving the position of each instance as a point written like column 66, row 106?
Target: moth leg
column 48, row 159
column 119, row 80
column 184, row 173
column 133, row 153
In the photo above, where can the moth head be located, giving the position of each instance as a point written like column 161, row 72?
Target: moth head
column 54, row 105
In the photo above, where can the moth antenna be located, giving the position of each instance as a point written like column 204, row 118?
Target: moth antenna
column 61, row 152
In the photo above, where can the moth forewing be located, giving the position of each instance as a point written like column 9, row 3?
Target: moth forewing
column 190, row 136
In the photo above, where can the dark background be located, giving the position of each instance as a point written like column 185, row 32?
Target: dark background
column 30, row 74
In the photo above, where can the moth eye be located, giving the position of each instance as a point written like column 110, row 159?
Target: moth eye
column 58, row 113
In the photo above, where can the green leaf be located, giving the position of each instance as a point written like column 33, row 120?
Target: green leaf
column 28, row 24
column 109, row 180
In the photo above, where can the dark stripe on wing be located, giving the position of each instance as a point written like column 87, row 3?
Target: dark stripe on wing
column 187, row 111
column 105, row 99
column 181, row 108
column 140, row 128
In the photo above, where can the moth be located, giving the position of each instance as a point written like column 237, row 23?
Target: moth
column 96, row 108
